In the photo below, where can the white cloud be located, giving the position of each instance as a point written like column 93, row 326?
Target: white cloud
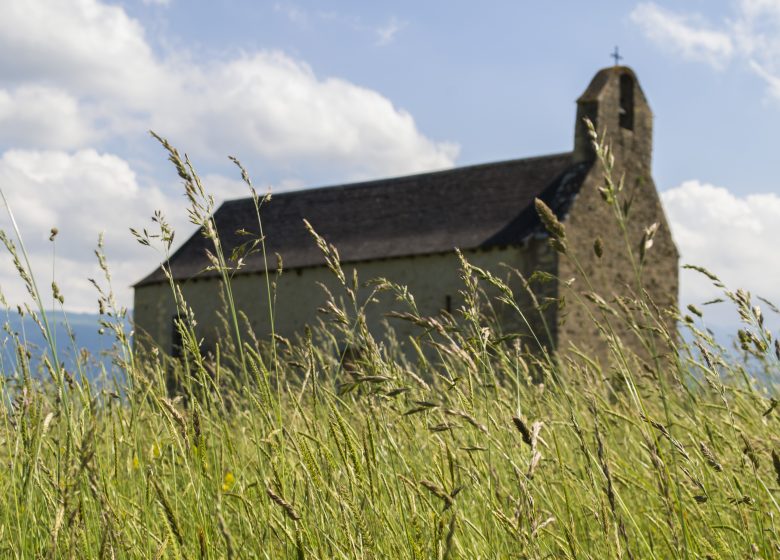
column 295, row 14
column 386, row 33
column 682, row 34
column 758, row 12
column 81, row 194
column 751, row 36
column 89, row 48
column 36, row 116
column 263, row 104
column 271, row 105
column 772, row 80
column 382, row 34
column 733, row 236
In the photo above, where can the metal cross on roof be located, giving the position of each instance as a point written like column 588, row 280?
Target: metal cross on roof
column 616, row 56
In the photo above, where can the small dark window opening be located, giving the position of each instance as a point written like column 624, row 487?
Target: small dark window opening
column 176, row 339
column 626, row 110
column 590, row 111
column 448, row 303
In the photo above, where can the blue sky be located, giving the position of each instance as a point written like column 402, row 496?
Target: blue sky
column 310, row 93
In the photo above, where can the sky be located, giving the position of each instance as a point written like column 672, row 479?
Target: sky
column 311, row 93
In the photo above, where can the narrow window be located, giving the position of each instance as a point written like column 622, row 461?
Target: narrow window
column 176, row 339
column 448, row 303
column 590, row 111
column 626, row 110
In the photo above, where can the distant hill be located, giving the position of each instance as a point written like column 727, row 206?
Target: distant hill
column 86, row 334
column 85, row 328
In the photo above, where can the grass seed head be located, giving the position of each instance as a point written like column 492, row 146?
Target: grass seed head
column 709, row 457
column 287, row 507
column 776, row 464
column 523, row 429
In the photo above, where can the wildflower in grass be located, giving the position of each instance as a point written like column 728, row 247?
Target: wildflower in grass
column 228, row 481
column 136, row 463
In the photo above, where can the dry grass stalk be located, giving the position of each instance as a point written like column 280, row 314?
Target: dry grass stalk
column 287, row 507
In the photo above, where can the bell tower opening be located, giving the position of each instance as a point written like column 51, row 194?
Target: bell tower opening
column 626, row 108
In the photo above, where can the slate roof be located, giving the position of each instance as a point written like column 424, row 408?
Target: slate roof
column 472, row 207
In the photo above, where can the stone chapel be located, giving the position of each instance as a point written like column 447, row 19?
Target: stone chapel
column 406, row 229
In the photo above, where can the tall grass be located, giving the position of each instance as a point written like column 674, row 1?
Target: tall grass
column 476, row 450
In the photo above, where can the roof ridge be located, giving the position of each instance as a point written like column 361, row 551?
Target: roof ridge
column 411, row 176
column 470, row 207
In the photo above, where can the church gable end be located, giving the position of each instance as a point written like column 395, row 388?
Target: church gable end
column 624, row 120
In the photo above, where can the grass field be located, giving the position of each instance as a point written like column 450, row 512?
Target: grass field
column 475, row 449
